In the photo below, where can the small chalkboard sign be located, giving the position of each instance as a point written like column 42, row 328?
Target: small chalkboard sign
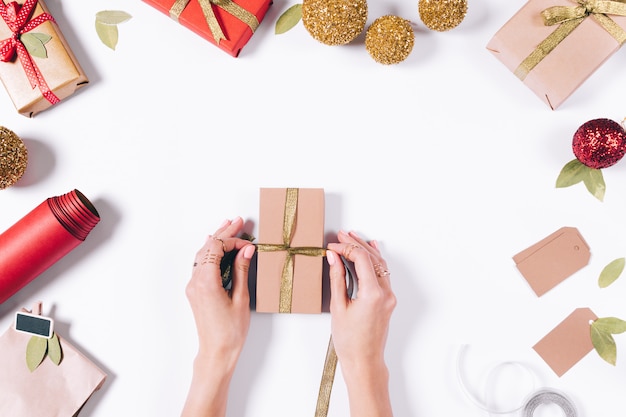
column 34, row 325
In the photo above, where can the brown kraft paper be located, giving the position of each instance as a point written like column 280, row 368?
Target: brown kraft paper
column 308, row 232
column 551, row 260
column 568, row 342
column 60, row 69
column 567, row 66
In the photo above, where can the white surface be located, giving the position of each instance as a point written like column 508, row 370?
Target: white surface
column 446, row 159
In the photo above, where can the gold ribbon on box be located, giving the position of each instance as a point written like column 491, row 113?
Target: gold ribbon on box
column 207, row 9
column 286, row 291
column 289, row 223
column 568, row 18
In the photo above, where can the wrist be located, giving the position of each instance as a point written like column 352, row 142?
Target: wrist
column 367, row 383
column 365, row 371
column 214, row 366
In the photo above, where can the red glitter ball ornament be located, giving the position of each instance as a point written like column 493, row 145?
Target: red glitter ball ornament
column 599, row 143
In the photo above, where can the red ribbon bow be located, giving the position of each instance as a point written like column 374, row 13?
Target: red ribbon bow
column 19, row 22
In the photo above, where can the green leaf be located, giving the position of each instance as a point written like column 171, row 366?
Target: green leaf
column 611, row 325
column 611, row 272
column 288, row 19
column 108, row 34
column 112, row 17
column 35, row 43
column 572, row 173
column 594, row 182
column 54, row 350
column 36, row 351
column 604, row 344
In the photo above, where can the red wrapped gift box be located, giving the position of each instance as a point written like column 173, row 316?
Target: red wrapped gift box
column 236, row 20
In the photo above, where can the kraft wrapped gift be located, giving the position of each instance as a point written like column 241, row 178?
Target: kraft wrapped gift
column 553, row 46
column 50, row 390
column 229, row 24
column 290, row 250
column 35, row 83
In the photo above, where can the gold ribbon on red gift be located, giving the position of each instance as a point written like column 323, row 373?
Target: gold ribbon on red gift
column 18, row 19
column 568, row 18
column 207, row 9
column 289, row 223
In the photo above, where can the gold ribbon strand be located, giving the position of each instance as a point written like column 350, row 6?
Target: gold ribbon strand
column 568, row 18
column 328, row 377
column 207, row 9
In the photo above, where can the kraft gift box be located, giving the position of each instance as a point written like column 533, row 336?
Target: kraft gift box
column 586, row 46
column 60, row 72
column 302, row 293
column 237, row 19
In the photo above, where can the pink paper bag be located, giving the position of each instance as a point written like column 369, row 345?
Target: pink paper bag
column 50, row 390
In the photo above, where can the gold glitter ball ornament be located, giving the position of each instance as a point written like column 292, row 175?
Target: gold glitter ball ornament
column 13, row 158
column 389, row 40
column 334, row 22
column 442, row 15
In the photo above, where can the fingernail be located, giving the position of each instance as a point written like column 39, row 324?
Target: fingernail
column 331, row 257
column 248, row 251
column 374, row 243
column 354, row 234
column 224, row 223
column 237, row 219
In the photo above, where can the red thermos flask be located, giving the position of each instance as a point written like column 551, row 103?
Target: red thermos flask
column 42, row 237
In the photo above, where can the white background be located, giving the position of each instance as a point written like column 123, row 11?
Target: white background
column 446, row 159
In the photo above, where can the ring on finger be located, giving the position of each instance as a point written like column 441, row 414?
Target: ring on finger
column 210, row 258
column 218, row 239
column 381, row 271
column 348, row 251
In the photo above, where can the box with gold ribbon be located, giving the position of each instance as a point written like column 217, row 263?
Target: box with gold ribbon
column 553, row 46
column 229, row 24
column 37, row 66
column 290, row 250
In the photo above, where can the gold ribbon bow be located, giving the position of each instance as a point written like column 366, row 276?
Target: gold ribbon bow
column 568, row 18
column 207, row 9
column 289, row 223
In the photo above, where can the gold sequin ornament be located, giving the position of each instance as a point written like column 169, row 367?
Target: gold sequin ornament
column 442, row 15
column 334, row 22
column 390, row 39
column 13, row 158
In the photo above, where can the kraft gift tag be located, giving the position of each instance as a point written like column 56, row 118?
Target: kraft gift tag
column 554, row 258
column 568, row 342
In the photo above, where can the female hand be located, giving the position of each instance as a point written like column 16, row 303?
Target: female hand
column 359, row 326
column 222, row 318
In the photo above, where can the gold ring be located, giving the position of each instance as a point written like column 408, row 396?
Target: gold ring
column 211, row 258
column 380, row 271
column 348, row 251
column 223, row 245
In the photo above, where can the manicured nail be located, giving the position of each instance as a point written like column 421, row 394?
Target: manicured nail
column 224, row 223
column 237, row 219
column 354, row 235
column 331, row 257
column 248, row 251
column 374, row 243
